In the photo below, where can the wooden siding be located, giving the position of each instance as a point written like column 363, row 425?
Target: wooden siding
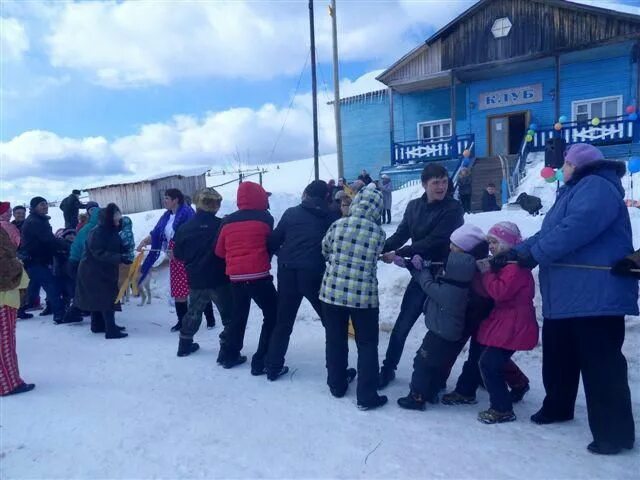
column 424, row 62
column 538, row 28
column 146, row 195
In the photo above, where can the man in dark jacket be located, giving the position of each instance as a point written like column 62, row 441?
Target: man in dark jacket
column 297, row 240
column 19, row 214
column 242, row 242
column 70, row 207
column 194, row 244
column 489, row 200
column 428, row 221
column 37, row 248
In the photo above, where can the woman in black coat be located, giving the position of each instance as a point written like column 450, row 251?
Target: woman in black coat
column 97, row 284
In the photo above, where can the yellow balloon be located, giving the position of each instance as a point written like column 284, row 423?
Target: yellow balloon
column 528, row 138
column 595, row 122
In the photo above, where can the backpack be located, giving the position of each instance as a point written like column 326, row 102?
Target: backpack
column 64, row 203
column 529, row 203
column 10, row 266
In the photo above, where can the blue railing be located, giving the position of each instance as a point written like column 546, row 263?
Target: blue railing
column 421, row 151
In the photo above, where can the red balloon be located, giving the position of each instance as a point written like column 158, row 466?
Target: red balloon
column 630, row 109
column 547, row 172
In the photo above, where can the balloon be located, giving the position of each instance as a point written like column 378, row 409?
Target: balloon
column 466, row 153
column 531, row 132
column 634, row 164
column 533, row 127
column 560, row 175
column 558, row 126
column 466, row 163
column 547, row 172
column 529, row 138
column 562, row 119
column 630, row 109
column 595, row 122
column 550, row 179
column 633, row 117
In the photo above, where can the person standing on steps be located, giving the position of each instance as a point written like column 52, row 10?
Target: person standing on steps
column 464, row 189
column 70, row 207
column 386, row 187
column 97, row 285
column 242, row 243
column 297, row 241
column 349, row 289
column 584, row 309
column 428, row 222
column 489, row 199
column 38, row 246
column 161, row 238
column 194, row 246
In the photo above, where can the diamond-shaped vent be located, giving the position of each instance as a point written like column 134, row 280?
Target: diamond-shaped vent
column 501, row 27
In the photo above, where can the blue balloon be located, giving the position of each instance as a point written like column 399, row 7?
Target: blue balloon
column 633, row 117
column 562, row 119
column 533, row 127
column 634, row 164
column 466, row 162
column 560, row 176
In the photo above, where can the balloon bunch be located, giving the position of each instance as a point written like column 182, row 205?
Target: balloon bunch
column 631, row 112
column 466, row 153
column 551, row 176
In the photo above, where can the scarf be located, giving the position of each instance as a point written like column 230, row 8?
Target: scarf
column 158, row 238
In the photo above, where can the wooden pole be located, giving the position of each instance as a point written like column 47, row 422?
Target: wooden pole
column 314, row 93
column 336, row 89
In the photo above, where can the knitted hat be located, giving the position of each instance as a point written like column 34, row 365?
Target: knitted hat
column 4, row 207
column 507, row 233
column 76, row 192
column 467, row 237
column 208, row 199
column 317, row 189
column 35, row 201
column 581, row 154
column 92, row 204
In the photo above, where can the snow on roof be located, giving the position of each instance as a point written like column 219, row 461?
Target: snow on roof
column 130, row 179
column 361, row 87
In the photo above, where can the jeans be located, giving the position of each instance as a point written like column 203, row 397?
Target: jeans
column 492, row 363
column 42, row 275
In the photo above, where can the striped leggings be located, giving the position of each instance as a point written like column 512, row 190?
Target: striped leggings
column 9, row 374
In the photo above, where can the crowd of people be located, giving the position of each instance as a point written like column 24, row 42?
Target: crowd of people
column 471, row 286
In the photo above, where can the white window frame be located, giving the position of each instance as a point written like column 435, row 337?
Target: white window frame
column 589, row 101
column 442, row 121
column 501, row 27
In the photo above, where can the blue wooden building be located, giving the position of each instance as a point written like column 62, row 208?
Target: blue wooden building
column 485, row 79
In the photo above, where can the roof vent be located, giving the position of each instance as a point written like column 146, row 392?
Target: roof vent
column 501, row 27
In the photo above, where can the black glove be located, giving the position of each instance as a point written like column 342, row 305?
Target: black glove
column 526, row 260
column 125, row 259
column 501, row 260
column 622, row 268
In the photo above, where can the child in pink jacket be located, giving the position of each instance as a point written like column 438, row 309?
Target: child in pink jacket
column 511, row 325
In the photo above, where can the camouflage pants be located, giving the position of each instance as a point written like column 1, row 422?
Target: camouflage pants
column 198, row 301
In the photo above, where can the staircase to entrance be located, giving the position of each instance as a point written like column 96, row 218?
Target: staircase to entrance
column 487, row 170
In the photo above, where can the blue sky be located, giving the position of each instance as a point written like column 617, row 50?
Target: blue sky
column 94, row 89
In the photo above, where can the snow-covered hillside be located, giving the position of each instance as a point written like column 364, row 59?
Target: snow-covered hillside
column 132, row 409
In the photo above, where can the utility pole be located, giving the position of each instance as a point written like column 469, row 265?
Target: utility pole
column 336, row 89
column 314, row 91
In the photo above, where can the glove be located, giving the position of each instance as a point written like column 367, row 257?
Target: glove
column 483, row 265
column 399, row 261
column 526, row 260
column 125, row 259
column 417, row 262
column 501, row 260
column 622, row 268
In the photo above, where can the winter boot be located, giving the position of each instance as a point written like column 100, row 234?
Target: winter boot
column 604, row 448
column 23, row 388
column 230, row 363
column 97, row 322
column 340, row 392
column 351, row 374
column 112, row 331
column 181, row 311
column 208, row 314
column 115, row 335
column 454, row 398
column 273, row 376
column 492, row 416
column 376, row 402
column 72, row 315
column 47, row 310
column 518, row 393
column 385, row 377
column 542, row 418
column 187, row 347
column 413, row 401
column 58, row 318
column 23, row 315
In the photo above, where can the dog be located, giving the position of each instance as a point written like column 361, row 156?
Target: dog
column 144, row 289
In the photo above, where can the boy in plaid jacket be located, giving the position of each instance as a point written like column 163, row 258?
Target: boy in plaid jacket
column 351, row 247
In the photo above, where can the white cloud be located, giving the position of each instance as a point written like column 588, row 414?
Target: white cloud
column 121, row 44
column 14, row 41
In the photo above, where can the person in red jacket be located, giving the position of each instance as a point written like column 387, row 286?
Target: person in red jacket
column 511, row 326
column 242, row 243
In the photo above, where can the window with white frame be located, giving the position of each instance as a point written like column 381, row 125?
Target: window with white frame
column 585, row 110
column 434, row 129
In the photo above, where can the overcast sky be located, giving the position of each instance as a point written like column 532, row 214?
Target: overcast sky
column 94, row 89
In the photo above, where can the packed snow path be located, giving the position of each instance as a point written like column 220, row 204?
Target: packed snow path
column 133, row 409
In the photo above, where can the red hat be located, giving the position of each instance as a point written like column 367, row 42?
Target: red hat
column 4, row 207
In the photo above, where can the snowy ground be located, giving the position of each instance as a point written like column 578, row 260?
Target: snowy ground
column 132, row 409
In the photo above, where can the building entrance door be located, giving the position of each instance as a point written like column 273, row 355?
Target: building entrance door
column 506, row 133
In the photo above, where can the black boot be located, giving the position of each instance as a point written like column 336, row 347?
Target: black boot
column 208, row 314
column 518, row 393
column 97, row 322
column 24, row 388
column 230, row 363
column 111, row 329
column 413, row 401
column 385, row 377
column 72, row 315
column 181, row 311
column 273, row 376
column 23, row 315
column 186, row 347
column 542, row 418
column 47, row 310
column 603, row 448
column 374, row 403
